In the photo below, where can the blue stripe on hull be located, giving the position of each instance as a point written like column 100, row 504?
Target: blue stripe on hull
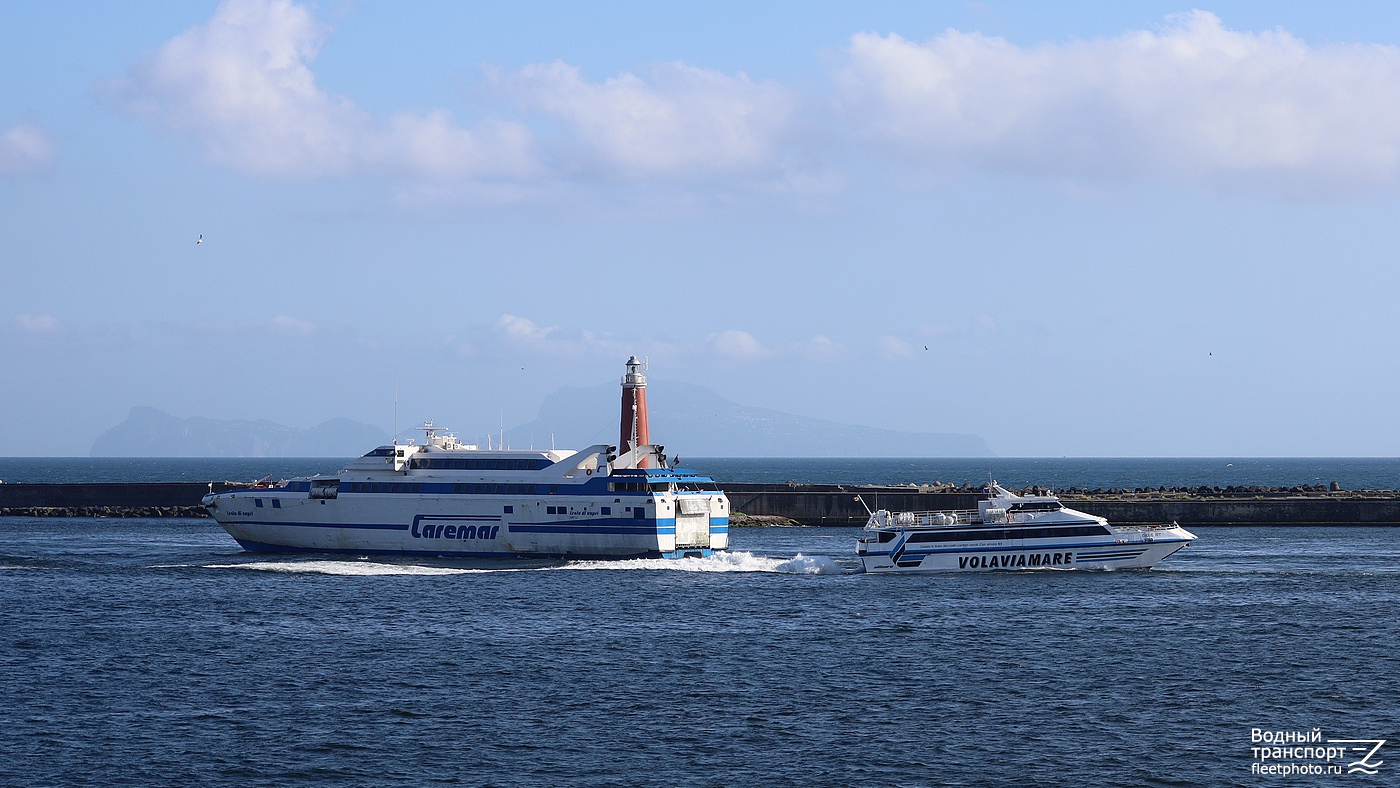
column 263, row 547
column 360, row 526
column 536, row 528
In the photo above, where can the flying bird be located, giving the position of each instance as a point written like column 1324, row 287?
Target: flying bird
column 199, row 240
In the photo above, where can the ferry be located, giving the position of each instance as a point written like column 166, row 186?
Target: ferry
column 1010, row 531
column 443, row 497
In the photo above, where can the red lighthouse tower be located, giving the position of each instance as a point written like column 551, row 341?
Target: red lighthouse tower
column 634, row 431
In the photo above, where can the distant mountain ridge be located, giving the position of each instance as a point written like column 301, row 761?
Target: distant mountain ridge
column 688, row 420
column 695, row 421
column 150, row 432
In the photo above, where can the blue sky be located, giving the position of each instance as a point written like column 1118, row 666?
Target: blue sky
column 1119, row 229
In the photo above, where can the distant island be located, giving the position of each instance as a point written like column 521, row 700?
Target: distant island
column 689, row 420
column 150, row 432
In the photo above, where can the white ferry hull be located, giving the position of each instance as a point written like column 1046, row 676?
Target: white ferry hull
column 447, row 527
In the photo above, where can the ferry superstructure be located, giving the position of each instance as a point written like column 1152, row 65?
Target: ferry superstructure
column 1010, row 531
column 444, row 497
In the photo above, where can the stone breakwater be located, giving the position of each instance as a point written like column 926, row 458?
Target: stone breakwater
column 828, row 504
column 104, row 511
column 822, row 504
column 153, row 499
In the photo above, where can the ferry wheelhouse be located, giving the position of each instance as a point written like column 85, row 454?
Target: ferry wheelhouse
column 449, row 498
column 1010, row 531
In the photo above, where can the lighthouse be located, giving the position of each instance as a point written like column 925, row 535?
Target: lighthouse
column 634, row 431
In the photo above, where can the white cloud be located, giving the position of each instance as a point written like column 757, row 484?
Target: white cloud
column 24, row 149
column 242, row 85
column 680, row 121
column 820, row 348
column 894, row 347
column 1193, row 100
column 739, row 345
column 291, row 326
column 1190, row 101
column 524, row 335
column 522, row 329
column 37, row 324
column 253, row 330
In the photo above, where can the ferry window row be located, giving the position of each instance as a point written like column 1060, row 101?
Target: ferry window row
column 686, row 486
column 456, row 464
column 1010, row 533
column 638, row 486
column 450, row 489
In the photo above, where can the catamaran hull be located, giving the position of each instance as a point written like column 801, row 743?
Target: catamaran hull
column 1004, row 557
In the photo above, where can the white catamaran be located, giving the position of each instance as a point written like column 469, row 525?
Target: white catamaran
column 444, row 497
column 1010, row 531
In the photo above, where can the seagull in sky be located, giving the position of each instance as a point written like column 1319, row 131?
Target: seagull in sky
column 199, row 240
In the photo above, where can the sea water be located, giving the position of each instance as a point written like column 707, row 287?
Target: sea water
column 156, row 652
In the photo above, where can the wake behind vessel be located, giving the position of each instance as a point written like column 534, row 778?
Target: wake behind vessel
column 1010, row 531
column 445, row 497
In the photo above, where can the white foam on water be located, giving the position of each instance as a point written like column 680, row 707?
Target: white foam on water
column 719, row 562
column 347, row 568
column 810, row 565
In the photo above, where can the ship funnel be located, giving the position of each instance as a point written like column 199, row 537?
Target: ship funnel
column 635, row 431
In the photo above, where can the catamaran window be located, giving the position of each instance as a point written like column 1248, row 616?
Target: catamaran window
column 1037, row 506
column 607, row 510
column 257, row 502
column 1061, row 531
column 510, row 510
